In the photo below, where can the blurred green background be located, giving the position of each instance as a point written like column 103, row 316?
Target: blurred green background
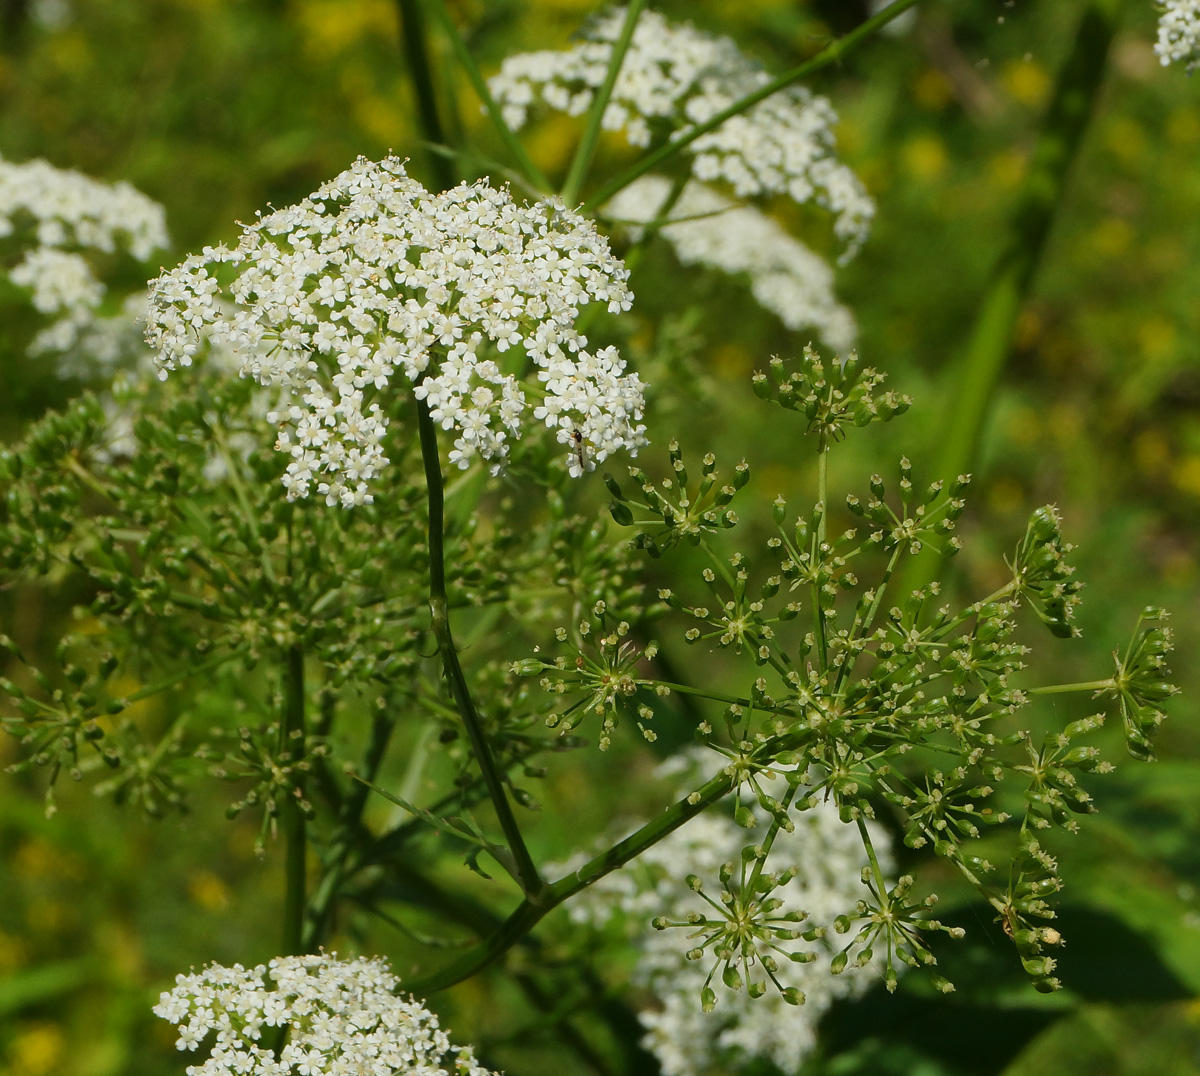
column 219, row 107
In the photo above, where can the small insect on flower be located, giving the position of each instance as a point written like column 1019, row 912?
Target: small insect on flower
column 581, row 460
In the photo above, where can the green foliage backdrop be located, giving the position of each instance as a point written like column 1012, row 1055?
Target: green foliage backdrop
column 218, row 107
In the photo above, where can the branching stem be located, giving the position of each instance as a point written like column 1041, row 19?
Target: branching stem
column 528, row 913
column 1060, row 689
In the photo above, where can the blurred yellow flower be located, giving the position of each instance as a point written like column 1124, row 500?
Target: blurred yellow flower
column 332, row 27
column 925, row 157
column 1152, row 452
column 1026, row 81
column 552, row 141
column 1126, row 140
column 1006, row 497
column 1007, row 168
column 1187, row 475
column 12, row 953
column 931, row 89
column 208, row 891
column 733, row 361
column 1157, row 337
column 36, row 1050
column 70, row 53
column 1024, row 426
column 1112, row 236
column 1183, row 126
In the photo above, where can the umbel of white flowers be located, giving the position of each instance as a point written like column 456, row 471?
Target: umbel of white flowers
column 52, row 217
column 1179, row 33
column 373, row 276
column 344, row 1018
column 677, row 77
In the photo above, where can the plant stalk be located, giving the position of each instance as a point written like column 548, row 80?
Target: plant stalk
column 1060, row 689
column 528, row 913
column 531, row 881
column 349, row 825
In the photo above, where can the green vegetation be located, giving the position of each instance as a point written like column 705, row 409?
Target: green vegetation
column 1028, row 289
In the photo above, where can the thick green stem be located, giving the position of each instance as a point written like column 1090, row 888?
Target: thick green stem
column 416, row 56
column 295, row 838
column 446, row 21
column 831, row 54
column 531, row 881
column 586, row 149
column 528, row 913
column 991, row 338
column 461, row 908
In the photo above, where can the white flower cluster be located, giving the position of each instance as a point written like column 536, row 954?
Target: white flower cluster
column 52, row 215
column 687, row 1041
column 373, row 275
column 675, row 77
column 343, row 1017
column 785, row 276
column 1179, row 33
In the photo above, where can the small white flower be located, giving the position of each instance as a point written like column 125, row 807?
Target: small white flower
column 374, row 276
